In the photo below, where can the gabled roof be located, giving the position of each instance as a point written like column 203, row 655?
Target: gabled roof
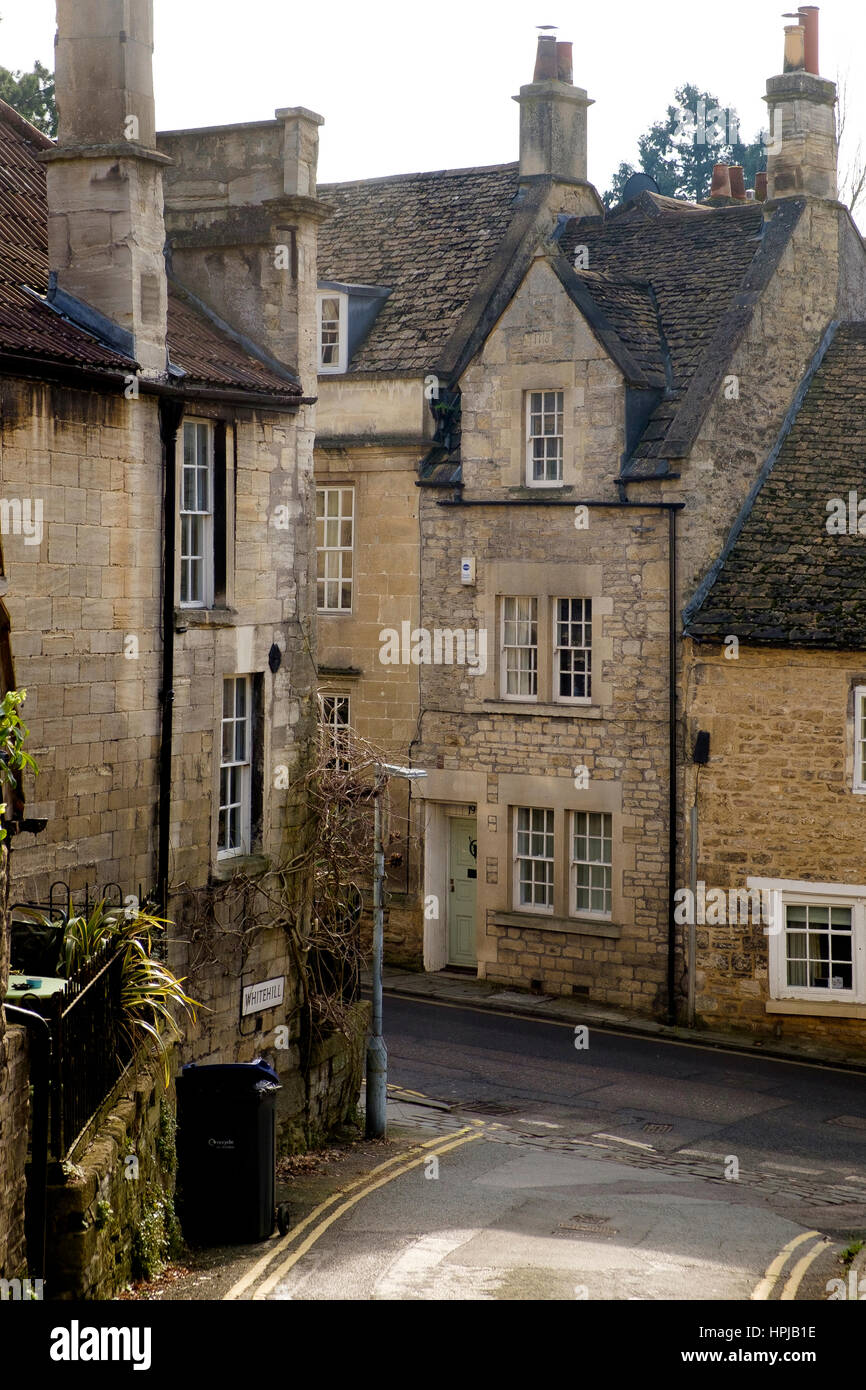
column 30, row 328
column 623, row 314
column 428, row 238
column 705, row 268
column 783, row 579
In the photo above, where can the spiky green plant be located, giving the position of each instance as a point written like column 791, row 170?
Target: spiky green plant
column 151, row 995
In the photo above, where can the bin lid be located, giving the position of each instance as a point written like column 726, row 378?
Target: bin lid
column 257, row 1074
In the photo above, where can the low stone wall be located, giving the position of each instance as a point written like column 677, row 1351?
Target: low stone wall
column 306, row 1116
column 110, row 1209
column 14, row 1118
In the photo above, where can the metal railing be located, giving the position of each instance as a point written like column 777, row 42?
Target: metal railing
column 90, row 1051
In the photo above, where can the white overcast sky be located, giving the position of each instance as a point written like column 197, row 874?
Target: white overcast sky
column 407, row 86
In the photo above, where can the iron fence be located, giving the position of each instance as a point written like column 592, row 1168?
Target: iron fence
column 90, row 1049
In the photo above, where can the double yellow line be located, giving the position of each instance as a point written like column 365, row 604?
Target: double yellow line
column 319, row 1222
column 763, row 1291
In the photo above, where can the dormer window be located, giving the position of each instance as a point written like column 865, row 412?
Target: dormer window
column 333, row 313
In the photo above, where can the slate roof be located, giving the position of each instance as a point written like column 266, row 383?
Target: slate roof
column 783, row 580
column 31, row 328
column 428, row 237
column 694, row 259
column 669, row 289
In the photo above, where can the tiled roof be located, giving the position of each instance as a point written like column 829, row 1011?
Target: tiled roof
column 784, row 579
column 428, row 237
column 31, row 328
column 28, row 327
column 210, row 357
column 695, row 260
column 630, row 309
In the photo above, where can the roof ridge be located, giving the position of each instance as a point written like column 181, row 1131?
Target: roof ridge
column 420, row 174
column 22, row 126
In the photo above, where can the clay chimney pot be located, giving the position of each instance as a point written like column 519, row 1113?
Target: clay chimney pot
column 545, row 59
column 564, row 71
column 795, row 48
column 738, row 183
column 809, row 20
column 721, row 187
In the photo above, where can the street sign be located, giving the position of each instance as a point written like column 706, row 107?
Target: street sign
column 265, row 995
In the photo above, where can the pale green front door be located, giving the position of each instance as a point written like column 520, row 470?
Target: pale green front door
column 463, row 879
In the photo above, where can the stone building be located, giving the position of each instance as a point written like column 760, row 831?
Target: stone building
column 777, row 661
column 610, row 389
column 157, row 303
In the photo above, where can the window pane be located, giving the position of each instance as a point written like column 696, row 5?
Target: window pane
column 196, row 514
column 573, row 639
column 819, row 946
column 334, row 539
column 234, row 809
column 592, row 859
column 534, row 847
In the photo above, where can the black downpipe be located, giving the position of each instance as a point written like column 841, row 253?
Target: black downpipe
column 672, row 761
column 37, row 1188
column 170, row 416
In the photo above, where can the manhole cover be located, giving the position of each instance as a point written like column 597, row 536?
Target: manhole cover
column 587, row 1221
column 850, row 1121
column 657, row 1129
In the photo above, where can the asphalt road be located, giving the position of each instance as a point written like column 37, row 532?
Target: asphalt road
column 626, row 1169
column 759, row 1110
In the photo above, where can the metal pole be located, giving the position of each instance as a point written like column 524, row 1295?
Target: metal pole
column 377, row 1055
column 693, row 884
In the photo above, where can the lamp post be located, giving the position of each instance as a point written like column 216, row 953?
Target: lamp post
column 377, row 1054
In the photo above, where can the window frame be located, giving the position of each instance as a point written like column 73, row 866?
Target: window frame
column 787, row 892
column 333, row 368
column 573, row 863
column 208, row 525
column 324, row 489
column 503, row 648
column 245, row 774
column 556, row 649
column 858, row 783
column 559, row 410
column 341, row 763
column 549, row 813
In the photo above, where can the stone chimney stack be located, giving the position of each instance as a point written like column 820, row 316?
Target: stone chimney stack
column 105, row 196
column 802, row 153
column 553, row 118
column 242, row 219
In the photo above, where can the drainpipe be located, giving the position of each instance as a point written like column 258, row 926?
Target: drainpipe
column 170, row 416
column 672, row 760
column 37, row 1221
column 693, row 884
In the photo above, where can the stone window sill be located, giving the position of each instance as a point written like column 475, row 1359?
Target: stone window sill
column 577, row 926
column 205, row 617
column 815, row 1008
column 250, row 864
column 527, row 707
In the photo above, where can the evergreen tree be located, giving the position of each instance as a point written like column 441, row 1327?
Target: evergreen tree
column 32, row 95
column 679, row 151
